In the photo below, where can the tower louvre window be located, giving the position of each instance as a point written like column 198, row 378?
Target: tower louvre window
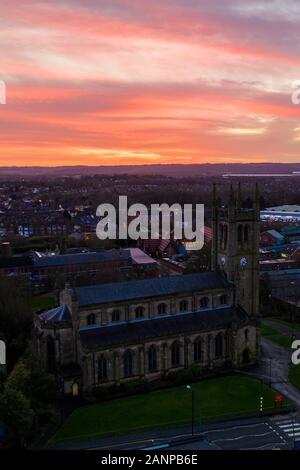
column 240, row 234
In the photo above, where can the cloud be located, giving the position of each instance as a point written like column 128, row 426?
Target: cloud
column 136, row 81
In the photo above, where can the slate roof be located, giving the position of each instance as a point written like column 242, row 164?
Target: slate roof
column 57, row 314
column 15, row 262
column 140, row 330
column 81, row 258
column 129, row 290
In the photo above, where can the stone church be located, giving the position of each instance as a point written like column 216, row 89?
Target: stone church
column 108, row 334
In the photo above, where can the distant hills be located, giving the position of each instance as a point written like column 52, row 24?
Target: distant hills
column 206, row 169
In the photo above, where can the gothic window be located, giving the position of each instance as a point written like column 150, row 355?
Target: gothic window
column 128, row 364
column 219, row 345
column 102, row 369
column 240, row 234
column 183, row 305
column 152, row 359
column 161, row 309
column 139, row 312
column 223, row 299
column 115, row 316
column 204, row 302
column 198, row 349
column 91, row 319
column 175, row 354
column 51, row 363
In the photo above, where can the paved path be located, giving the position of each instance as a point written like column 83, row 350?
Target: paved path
column 285, row 330
column 274, row 365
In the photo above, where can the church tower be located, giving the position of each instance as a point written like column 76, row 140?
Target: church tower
column 235, row 246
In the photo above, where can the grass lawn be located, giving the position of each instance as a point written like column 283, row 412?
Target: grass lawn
column 275, row 336
column 44, row 301
column 214, row 399
column 294, row 375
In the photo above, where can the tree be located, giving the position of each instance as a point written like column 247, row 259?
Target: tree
column 15, row 316
column 38, row 388
column 17, row 416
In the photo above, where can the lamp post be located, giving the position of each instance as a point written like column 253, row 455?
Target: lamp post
column 193, row 406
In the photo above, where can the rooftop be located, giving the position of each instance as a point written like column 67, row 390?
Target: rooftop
column 167, row 325
column 81, row 258
column 154, row 287
column 57, row 314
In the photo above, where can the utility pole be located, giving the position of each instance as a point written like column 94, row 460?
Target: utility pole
column 193, row 407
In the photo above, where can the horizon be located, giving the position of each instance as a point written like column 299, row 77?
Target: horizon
column 183, row 82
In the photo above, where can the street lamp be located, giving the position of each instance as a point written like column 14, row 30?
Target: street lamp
column 188, row 387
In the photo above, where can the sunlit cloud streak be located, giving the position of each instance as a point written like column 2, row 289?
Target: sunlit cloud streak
column 138, row 81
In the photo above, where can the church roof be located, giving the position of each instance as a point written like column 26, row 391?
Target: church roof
column 154, row 287
column 138, row 331
column 57, row 314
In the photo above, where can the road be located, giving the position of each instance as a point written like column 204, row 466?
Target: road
column 247, row 434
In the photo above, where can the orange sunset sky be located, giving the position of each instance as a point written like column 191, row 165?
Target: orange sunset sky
column 149, row 81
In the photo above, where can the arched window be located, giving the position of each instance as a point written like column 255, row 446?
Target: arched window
column 128, row 364
column 198, row 349
column 51, row 363
column 204, row 301
column 161, row 309
column 102, row 369
column 223, row 299
column 219, row 345
column 91, row 319
column 183, row 305
column 246, row 335
column 240, row 233
column 152, row 359
column 175, row 354
column 246, row 233
column 139, row 312
column 115, row 316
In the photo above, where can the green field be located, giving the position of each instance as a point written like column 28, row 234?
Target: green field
column 215, row 399
column 294, row 375
column 39, row 302
column 275, row 336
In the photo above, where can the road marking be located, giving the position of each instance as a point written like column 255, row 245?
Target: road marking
column 289, row 427
column 235, row 427
column 243, row 437
column 292, row 434
column 265, row 445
